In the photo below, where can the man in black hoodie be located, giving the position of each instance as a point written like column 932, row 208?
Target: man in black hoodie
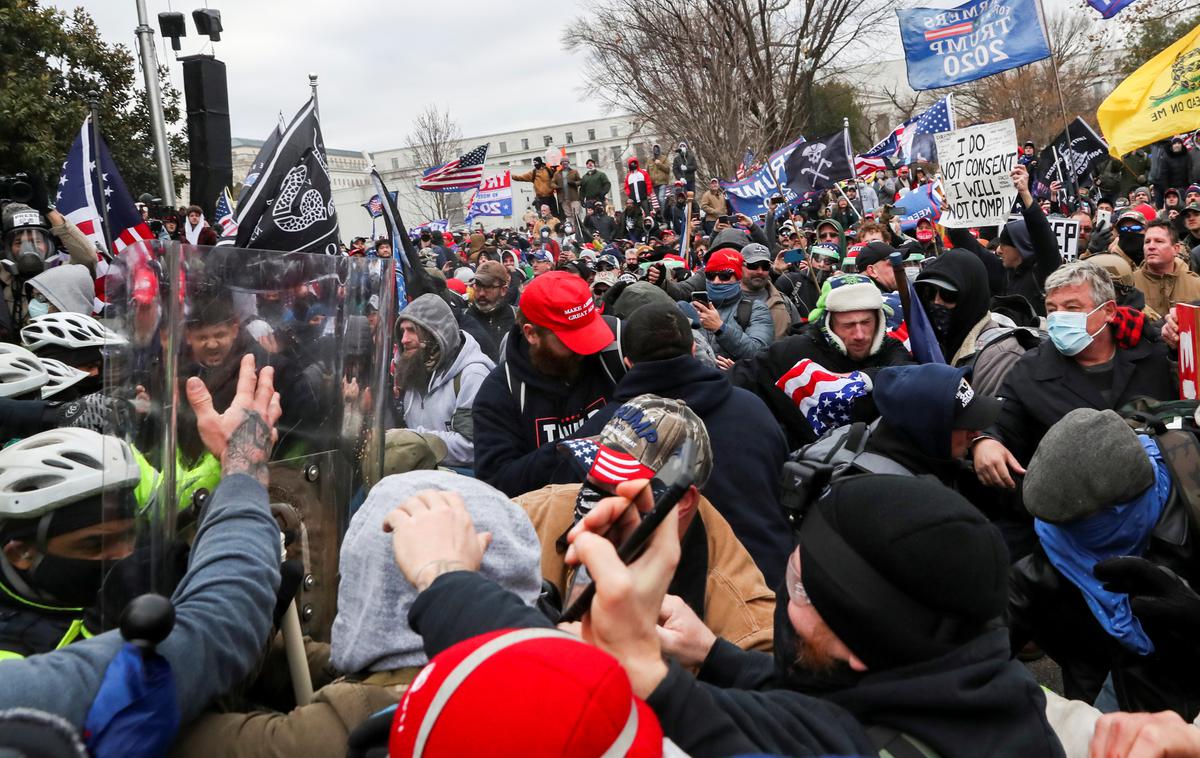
column 550, row 381
column 744, row 485
column 888, row 631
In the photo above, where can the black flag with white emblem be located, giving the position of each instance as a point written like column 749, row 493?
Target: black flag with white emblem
column 819, row 164
column 289, row 206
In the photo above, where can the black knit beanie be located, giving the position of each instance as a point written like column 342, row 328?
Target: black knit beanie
column 902, row 569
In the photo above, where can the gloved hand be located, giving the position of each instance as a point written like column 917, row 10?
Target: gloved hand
column 1157, row 594
column 98, row 412
column 1101, row 238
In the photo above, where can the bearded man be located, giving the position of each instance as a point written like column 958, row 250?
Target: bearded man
column 489, row 316
column 439, row 371
column 551, row 380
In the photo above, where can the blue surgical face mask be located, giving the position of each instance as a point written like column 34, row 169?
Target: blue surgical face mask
column 720, row 294
column 1068, row 330
column 38, row 308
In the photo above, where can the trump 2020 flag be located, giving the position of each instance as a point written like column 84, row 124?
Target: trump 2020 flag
column 824, row 398
column 923, row 202
column 290, row 205
column 749, row 194
column 493, row 198
column 948, row 46
column 819, row 164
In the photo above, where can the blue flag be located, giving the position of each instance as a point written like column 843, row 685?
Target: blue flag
column 923, row 202
column 948, row 46
column 134, row 712
column 921, row 338
column 1109, row 8
column 749, row 195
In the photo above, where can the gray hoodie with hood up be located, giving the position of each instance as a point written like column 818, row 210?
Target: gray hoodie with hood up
column 444, row 407
column 69, row 288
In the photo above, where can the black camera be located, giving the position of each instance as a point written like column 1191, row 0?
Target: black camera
column 17, row 188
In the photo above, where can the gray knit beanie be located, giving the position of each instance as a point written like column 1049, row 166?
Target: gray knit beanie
column 1088, row 461
column 371, row 631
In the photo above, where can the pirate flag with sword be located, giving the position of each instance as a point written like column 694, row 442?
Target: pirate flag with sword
column 820, row 164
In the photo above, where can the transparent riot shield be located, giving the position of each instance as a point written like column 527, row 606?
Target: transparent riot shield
column 322, row 323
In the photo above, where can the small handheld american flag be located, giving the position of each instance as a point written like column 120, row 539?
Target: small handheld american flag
column 459, row 175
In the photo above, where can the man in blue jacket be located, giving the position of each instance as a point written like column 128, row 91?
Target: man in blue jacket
column 748, row 446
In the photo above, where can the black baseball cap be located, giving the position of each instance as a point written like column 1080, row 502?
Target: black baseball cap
column 873, row 253
column 973, row 410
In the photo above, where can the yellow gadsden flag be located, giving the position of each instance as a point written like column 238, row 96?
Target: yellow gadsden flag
column 1158, row 100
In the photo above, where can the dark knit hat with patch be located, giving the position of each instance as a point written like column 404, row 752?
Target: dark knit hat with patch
column 901, row 568
column 1087, row 461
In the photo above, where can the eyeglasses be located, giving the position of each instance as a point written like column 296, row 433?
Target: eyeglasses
column 824, row 236
column 759, row 266
column 723, row 274
column 795, row 588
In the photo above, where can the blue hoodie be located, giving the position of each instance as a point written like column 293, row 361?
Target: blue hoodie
column 918, row 401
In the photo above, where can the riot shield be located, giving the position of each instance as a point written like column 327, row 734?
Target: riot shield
column 321, row 322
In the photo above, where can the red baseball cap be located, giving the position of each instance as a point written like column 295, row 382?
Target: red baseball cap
column 562, row 302
column 725, row 259
column 457, row 285
column 523, row 692
column 145, row 286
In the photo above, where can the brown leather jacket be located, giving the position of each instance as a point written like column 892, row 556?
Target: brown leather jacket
column 738, row 606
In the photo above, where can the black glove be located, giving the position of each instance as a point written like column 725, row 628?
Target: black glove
column 1157, row 594
column 1101, row 239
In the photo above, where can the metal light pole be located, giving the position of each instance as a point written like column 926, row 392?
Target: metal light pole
column 158, row 125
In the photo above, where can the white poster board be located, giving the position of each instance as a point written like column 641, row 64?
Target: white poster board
column 1066, row 231
column 975, row 166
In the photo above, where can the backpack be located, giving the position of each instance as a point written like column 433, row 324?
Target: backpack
column 809, row 471
column 1175, row 426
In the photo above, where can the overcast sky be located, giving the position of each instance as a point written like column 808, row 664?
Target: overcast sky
column 498, row 66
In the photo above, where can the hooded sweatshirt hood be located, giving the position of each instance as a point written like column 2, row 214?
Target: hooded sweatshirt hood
column 918, row 402
column 68, row 288
column 433, row 314
column 841, row 233
column 968, row 275
column 1015, row 233
column 729, row 239
column 371, row 631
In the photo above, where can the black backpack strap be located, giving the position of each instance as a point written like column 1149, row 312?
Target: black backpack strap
column 744, row 307
column 612, row 358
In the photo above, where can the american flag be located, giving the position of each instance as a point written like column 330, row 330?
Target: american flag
column 747, row 166
column 459, row 175
column 905, row 143
column 865, row 167
column 606, row 465
column 950, row 30
column 374, row 206
column 226, row 221
column 824, row 398
column 79, row 194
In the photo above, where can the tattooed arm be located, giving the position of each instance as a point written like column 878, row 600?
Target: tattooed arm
column 243, row 435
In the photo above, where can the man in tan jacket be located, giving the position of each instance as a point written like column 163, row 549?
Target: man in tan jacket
column 1164, row 278
column 716, row 576
column 713, row 205
column 371, row 641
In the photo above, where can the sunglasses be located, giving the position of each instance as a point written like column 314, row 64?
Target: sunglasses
column 1134, row 228
column 759, row 266
column 725, row 273
column 828, row 236
column 946, row 295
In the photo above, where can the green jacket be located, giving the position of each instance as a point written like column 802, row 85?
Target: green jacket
column 594, row 185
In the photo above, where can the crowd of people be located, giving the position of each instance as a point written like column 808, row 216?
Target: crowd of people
column 932, row 491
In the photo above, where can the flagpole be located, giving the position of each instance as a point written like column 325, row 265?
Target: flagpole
column 853, row 171
column 312, row 83
column 158, row 123
column 98, row 172
column 1062, row 103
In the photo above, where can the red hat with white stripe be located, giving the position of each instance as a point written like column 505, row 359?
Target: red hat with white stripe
column 523, row 692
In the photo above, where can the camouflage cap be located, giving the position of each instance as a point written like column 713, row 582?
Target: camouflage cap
column 639, row 439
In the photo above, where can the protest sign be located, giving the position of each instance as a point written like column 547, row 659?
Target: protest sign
column 976, row 162
column 749, row 195
column 948, row 46
column 1188, row 318
column 493, row 198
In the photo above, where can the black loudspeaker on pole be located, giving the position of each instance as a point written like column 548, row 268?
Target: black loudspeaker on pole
column 211, row 161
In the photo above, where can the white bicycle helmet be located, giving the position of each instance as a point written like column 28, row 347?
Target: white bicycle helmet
column 20, row 371
column 58, row 467
column 62, row 377
column 69, row 330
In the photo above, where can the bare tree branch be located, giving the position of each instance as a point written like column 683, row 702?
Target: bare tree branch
column 435, row 139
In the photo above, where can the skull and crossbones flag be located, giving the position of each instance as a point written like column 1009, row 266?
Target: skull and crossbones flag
column 287, row 203
column 818, row 164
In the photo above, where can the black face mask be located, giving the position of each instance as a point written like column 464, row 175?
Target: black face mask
column 939, row 318
column 89, row 385
column 72, row 581
column 1131, row 244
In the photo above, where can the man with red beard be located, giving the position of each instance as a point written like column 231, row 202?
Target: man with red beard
column 551, row 378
